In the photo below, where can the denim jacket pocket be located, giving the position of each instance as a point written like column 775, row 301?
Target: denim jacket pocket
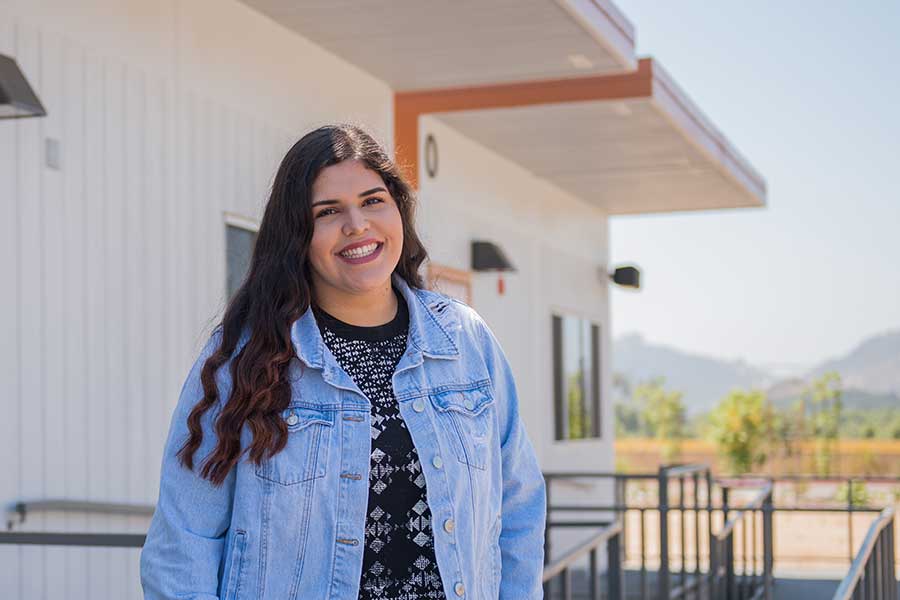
column 236, row 562
column 470, row 416
column 306, row 453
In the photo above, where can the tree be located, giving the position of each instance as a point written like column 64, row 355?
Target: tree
column 823, row 396
column 664, row 415
column 742, row 427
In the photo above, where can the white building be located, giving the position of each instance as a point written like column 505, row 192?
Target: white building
column 166, row 122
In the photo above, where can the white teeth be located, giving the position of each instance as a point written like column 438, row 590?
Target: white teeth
column 361, row 251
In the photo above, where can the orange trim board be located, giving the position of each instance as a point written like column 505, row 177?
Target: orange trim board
column 408, row 106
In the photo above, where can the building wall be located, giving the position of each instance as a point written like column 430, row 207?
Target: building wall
column 167, row 115
column 559, row 246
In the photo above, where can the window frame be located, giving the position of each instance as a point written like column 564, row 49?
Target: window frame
column 561, row 431
column 237, row 221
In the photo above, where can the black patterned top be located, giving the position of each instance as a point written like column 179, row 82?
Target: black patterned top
column 398, row 559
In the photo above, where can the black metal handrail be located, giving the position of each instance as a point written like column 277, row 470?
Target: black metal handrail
column 22, row 508
column 695, row 476
column 104, row 540
column 690, row 496
column 851, row 506
column 756, row 582
column 872, row 575
column 561, row 569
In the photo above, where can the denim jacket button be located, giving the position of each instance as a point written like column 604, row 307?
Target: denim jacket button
column 437, row 461
column 469, row 404
column 419, row 404
column 292, row 419
column 459, row 588
column 449, row 525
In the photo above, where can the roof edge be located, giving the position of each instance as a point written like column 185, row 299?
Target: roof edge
column 675, row 104
column 609, row 27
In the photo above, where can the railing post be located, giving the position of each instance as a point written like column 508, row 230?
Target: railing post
column 850, row 520
column 663, row 578
column 730, row 589
column 726, row 556
column 681, row 506
column 697, row 532
column 768, row 546
column 615, row 581
column 710, row 510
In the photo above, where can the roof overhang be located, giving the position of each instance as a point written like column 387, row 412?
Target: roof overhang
column 630, row 143
column 421, row 44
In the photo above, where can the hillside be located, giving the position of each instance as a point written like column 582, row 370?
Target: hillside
column 870, row 372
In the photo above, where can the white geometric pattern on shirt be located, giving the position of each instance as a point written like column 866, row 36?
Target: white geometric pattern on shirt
column 398, row 558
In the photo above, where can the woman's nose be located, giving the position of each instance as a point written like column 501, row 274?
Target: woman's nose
column 355, row 223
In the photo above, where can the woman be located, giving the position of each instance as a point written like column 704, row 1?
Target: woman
column 359, row 435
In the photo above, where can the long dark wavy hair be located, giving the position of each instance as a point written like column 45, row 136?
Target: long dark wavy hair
column 276, row 292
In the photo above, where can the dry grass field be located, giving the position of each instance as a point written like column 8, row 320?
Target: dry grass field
column 852, row 457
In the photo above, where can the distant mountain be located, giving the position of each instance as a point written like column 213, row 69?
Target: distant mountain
column 873, row 366
column 702, row 379
column 870, row 373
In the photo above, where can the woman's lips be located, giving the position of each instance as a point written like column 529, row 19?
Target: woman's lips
column 363, row 259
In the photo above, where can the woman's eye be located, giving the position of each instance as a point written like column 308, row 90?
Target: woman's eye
column 375, row 198
column 324, row 212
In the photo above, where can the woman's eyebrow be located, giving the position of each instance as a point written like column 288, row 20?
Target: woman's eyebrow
column 361, row 194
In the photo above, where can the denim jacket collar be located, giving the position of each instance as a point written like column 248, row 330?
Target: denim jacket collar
column 433, row 330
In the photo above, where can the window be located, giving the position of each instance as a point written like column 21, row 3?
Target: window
column 576, row 378
column 239, row 241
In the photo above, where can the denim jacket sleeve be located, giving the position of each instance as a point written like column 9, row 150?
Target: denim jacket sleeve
column 524, row 496
column 185, row 541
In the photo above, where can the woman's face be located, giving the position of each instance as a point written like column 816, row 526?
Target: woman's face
column 358, row 231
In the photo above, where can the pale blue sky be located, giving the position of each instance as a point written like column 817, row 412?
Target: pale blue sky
column 809, row 92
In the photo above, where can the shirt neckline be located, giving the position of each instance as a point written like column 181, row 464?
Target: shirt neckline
column 373, row 333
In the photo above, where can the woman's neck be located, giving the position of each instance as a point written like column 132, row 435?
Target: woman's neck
column 375, row 307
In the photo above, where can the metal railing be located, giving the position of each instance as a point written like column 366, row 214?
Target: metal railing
column 754, row 581
column 22, row 508
column 686, row 478
column 684, row 504
column 872, row 575
column 561, row 569
column 851, row 506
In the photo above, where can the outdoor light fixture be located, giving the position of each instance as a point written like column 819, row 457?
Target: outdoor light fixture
column 627, row 277
column 17, row 99
column 487, row 256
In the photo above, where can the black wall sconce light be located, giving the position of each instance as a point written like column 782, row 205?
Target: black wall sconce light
column 17, row 99
column 627, row 276
column 487, row 256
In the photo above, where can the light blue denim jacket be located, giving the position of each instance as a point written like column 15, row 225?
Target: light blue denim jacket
column 293, row 527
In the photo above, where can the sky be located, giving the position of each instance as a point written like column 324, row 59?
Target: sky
column 809, row 93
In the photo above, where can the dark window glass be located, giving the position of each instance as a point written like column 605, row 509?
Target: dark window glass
column 238, row 249
column 576, row 378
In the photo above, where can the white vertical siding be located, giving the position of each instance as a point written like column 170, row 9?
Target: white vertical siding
column 32, row 302
column 115, row 263
column 10, row 309
column 558, row 245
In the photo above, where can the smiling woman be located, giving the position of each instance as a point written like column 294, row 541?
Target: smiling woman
column 356, row 243
column 340, row 410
